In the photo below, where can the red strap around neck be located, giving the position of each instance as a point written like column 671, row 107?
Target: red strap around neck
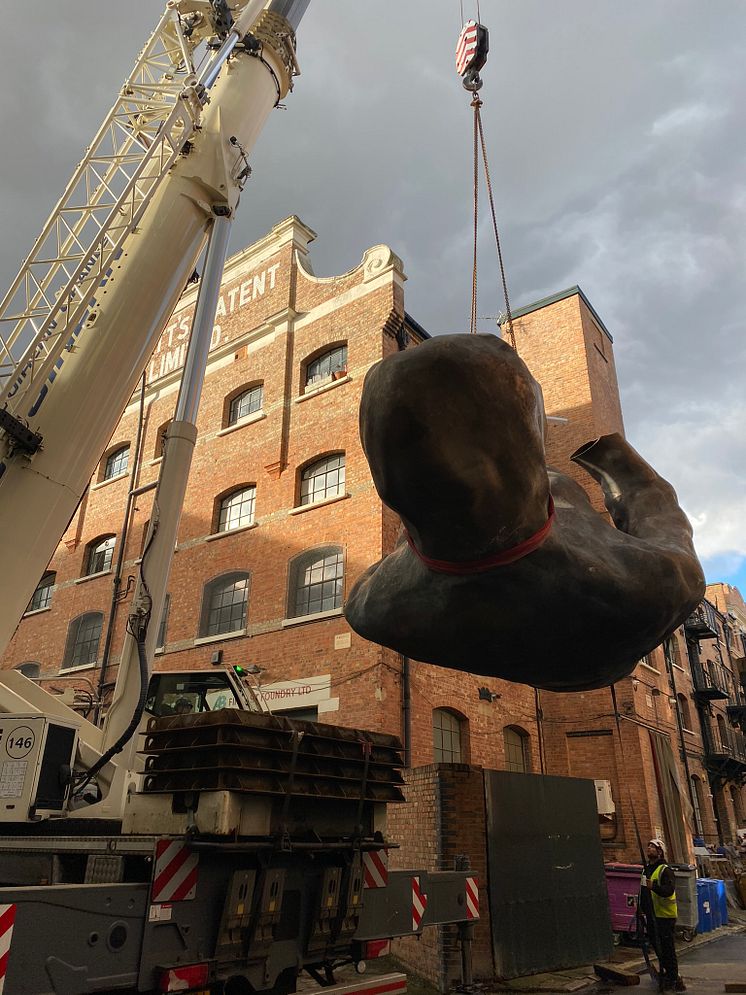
column 462, row 568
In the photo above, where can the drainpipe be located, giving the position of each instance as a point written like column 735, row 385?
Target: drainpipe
column 406, row 709
column 116, row 595
column 540, row 728
column 668, row 656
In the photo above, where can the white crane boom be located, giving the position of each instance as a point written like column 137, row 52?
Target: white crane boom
column 81, row 319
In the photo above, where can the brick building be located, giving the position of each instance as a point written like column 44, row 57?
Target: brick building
column 673, row 757
column 281, row 517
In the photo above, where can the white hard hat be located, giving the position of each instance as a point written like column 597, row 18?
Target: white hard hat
column 658, row 843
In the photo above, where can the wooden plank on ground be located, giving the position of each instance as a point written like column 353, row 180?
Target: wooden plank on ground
column 734, row 986
column 625, row 978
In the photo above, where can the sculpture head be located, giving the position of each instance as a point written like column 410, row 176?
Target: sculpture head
column 454, row 433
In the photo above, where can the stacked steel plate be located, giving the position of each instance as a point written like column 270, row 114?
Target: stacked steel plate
column 232, row 750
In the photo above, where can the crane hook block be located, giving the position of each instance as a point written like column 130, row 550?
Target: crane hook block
column 471, row 53
column 493, row 538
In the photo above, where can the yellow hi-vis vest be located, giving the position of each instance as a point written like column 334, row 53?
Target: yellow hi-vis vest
column 663, row 908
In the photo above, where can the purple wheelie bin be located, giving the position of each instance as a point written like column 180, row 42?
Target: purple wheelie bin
column 623, row 886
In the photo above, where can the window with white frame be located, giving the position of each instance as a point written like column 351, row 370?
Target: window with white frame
column 236, row 510
column 327, row 366
column 248, row 402
column 42, row 596
column 323, row 479
column 225, row 604
column 316, row 582
column 100, row 553
column 83, row 637
column 117, row 462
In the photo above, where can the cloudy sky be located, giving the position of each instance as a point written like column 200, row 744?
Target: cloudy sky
column 617, row 140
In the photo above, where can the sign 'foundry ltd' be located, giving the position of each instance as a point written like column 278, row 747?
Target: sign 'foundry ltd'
column 170, row 353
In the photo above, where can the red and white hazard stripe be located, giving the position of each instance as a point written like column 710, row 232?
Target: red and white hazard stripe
column 472, row 898
column 7, row 920
column 419, row 904
column 175, row 872
column 375, row 868
column 467, row 46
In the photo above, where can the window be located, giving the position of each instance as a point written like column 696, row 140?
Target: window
column 100, row 553
column 83, row 636
column 317, row 581
column 161, row 641
column 685, row 711
column 236, row 511
column 248, row 402
column 447, row 728
column 224, row 604
column 29, row 669
column 323, row 479
column 515, row 741
column 330, row 365
column 42, row 596
column 116, row 463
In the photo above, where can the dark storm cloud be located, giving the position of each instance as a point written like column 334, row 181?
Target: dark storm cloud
column 616, row 137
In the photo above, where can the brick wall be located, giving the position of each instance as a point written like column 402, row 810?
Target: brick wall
column 444, row 818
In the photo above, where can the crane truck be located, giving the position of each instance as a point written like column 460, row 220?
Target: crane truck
column 226, row 850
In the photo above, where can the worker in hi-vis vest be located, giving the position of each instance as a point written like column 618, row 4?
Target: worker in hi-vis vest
column 659, row 906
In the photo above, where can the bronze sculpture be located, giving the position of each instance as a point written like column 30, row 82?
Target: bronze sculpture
column 503, row 568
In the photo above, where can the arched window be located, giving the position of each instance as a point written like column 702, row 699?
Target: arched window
column 117, row 462
column 246, row 402
column 224, row 604
column 697, row 805
column 686, row 712
column 30, row 669
column 515, row 742
column 316, row 581
column 83, row 637
column 99, row 555
column 328, row 365
column 236, row 510
column 42, row 596
column 325, row 478
column 448, row 745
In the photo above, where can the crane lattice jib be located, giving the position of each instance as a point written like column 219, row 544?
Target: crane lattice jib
column 55, row 291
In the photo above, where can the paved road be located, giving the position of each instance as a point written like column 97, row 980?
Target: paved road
column 704, row 968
